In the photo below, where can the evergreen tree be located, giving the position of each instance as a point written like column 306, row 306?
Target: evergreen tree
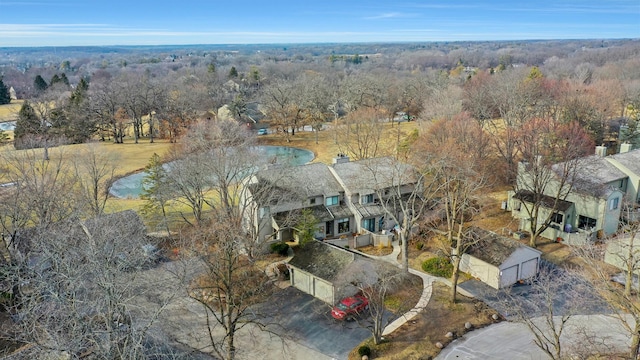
column 79, row 127
column 54, row 80
column 63, row 78
column 5, row 96
column 306, row 227
column 233, row 73
column 27, row 126
column 39, row 84
column 155, row 190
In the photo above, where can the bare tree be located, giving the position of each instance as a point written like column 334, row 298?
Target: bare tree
column 208, row 165
column 623, row 252
column 553, row 156
column 231, row 286
column 142, row 97
column 377, row 281
column 283, row 105
column 95, row 173
column 39, row 190
column 106, row 102
column 404, row 195
column 76, row 287
column 453, row 154
column 552, row 300
column 359, row 135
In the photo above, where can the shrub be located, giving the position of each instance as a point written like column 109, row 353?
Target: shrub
column 419, row 246
column 364, row 350
column 438, row 266
column 281, row 248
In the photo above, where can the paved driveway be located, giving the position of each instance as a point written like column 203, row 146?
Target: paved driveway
column 307, row 321
column 572, row 295
column 305, row 324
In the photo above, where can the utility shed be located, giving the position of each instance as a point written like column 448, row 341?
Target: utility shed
column 499, row 261
column 314, row 268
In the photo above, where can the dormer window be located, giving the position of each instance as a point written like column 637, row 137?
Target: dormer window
column 366, row 199
column 312, row 201
column 333, row 200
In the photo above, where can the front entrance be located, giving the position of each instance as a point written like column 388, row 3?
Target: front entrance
column 329, row 228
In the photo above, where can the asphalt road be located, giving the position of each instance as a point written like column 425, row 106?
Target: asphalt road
column 585, row 334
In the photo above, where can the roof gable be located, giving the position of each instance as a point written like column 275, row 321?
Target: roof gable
column 493, row 248
column 593, row 175
column 363, row 176
column 305, row 180
column 630, row 160
column 322, row 260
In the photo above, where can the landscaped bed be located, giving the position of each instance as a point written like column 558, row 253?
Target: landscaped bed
column 417, row 338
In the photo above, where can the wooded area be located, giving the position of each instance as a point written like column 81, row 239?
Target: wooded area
column 485, row 113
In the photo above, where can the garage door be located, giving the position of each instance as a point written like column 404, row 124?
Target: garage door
column 509, row 276
column 529, row 269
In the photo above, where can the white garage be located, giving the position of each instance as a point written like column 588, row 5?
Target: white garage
column 314, row 268
column 499, row 261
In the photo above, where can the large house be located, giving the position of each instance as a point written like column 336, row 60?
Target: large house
column 345, row 197
column 593, row 207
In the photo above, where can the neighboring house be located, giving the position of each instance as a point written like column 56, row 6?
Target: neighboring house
column 624, row 253
column 343, row 197
column 629, row 163
column 366, row 183
column 591, row 208
column 287, row 193
column 499, row 261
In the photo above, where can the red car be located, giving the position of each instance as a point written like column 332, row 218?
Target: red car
column 348, row 307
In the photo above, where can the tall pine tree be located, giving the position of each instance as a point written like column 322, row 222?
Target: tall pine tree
column 28, row 126
column 5, row 96
column 39, row 84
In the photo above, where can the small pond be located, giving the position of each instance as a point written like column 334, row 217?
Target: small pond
column 131, row 186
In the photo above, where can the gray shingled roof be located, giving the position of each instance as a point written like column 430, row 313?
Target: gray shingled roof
column 592, row 174
column 630, row 160
column 491, row 247
column 321, row 260
column 305, row 180
column 363, row 176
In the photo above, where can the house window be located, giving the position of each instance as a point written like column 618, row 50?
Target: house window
column 343, row 225
column 312, row 201
column 366, row 199
column 613, row 203
column 369, row 224
column 623, row 185
column 264, row 211
column 517, row 205
column 586, row 223
column 556, row 218
column 333, row 200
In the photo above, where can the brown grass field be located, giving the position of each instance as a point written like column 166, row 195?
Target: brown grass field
column 9, row 112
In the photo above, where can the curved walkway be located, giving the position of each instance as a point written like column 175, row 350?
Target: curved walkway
column 427, row 286
column 515, row 339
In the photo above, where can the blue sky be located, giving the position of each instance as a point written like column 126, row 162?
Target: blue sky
column 155, row 22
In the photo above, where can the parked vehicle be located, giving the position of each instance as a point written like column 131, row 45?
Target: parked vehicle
column 262, row 131
column 350, row 307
